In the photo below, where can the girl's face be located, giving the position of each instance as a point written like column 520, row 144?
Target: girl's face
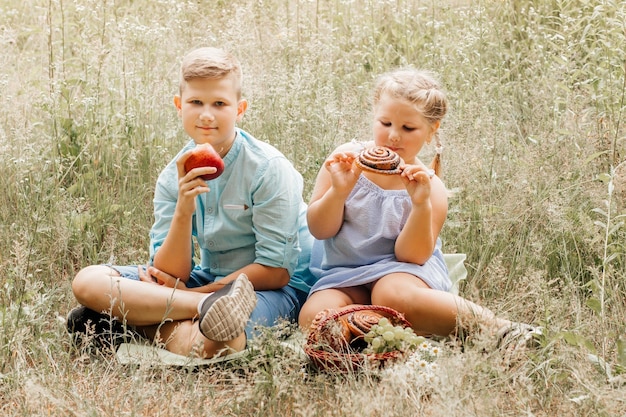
column 210, row 109
column 401, row 128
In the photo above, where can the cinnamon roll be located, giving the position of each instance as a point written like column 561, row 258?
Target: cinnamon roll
column 360, row 322
column 380, row 160
column 332, row 334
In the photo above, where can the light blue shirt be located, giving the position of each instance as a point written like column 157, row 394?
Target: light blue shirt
column 254, row 213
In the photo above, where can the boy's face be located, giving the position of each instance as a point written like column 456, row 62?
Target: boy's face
column 209, row 110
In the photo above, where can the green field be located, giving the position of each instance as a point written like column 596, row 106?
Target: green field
column 535, row 144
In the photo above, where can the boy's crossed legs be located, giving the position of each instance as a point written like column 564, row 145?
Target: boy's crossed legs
column 167, row 315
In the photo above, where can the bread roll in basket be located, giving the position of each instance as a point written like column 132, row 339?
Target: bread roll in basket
column 335, row 339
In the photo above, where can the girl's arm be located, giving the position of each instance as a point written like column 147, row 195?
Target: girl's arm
column 333, row 185
column 416, row 242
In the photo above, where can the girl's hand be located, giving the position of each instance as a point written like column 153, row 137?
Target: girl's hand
column 155, row 276
column 190, row 185
column 344, row 173
column 416, row 179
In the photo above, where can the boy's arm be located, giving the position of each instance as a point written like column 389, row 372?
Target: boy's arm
column 262, row 277
column 277, row 203
column 174, row 256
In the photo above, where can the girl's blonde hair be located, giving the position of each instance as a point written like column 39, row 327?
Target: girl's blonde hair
column 212, row 63
column 421, row 89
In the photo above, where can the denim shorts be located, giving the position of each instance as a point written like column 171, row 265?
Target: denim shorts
column 272, row 305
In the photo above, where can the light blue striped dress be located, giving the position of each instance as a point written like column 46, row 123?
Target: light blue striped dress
column 363, row 250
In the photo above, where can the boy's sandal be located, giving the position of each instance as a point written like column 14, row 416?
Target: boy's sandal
column 100, row 328
column 225, row 313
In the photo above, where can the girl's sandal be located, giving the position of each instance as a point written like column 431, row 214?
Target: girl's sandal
column 515, row 338
column 519, row 335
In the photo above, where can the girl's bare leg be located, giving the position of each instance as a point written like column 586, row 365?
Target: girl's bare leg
column 336, row 298
column 431, row 312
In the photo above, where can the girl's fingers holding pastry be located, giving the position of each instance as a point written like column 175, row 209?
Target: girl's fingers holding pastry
column 341, row 157
column 419, row 176
column 416, row 172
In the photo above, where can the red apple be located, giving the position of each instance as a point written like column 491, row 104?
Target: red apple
column 204, row 155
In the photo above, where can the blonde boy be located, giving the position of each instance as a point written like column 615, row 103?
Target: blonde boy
column 249, row 225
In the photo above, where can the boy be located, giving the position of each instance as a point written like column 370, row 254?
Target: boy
column 249, row 224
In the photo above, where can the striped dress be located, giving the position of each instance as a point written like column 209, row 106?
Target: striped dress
column 363, row 250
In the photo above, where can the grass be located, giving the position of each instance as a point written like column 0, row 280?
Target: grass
column 534, row 145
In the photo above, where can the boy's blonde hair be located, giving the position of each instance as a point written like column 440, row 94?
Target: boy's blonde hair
column 208, row 62
column 421, row 89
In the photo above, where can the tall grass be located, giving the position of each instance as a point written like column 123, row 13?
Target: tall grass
column 534, row 145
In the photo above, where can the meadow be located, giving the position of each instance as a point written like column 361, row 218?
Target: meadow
column 535, row 144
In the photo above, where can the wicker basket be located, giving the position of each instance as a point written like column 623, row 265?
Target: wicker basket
column 329, row 350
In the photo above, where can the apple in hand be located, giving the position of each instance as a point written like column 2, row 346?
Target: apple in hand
column 204, row 155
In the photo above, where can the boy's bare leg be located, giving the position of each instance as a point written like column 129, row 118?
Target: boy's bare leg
column 184, row 338
column 101, row 288
column 160, row 313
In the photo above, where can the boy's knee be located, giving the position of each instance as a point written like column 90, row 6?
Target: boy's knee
column 79, row 281
column 83, row 281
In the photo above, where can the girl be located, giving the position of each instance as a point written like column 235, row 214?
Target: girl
column 377, row 235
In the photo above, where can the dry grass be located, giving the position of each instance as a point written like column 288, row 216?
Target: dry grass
column 535, row 144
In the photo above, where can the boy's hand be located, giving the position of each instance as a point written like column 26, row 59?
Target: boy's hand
column 190, row 185
column 416, row 179
column 155, row 276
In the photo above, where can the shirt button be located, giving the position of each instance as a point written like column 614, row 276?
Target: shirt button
column 213, row 265
column 211, row 243
column 209, row 210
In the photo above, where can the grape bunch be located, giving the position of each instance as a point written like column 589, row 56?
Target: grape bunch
column 385, row 337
